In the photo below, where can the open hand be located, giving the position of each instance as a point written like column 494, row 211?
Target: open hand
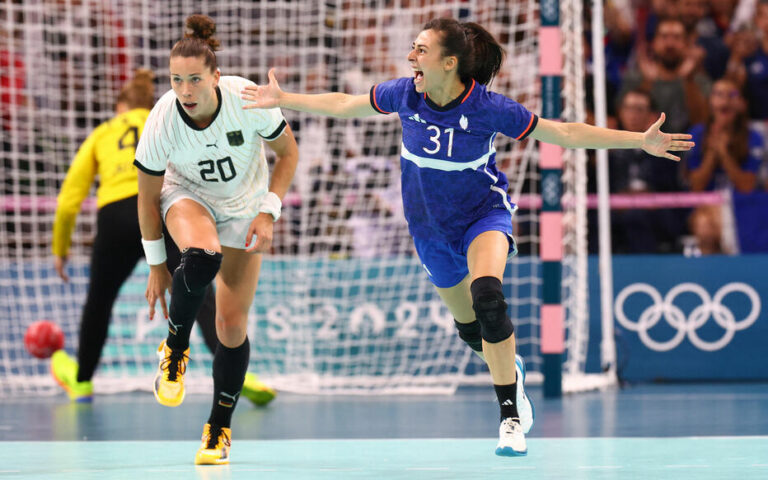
column 158, row 283
column 267, row 96
column 659, row 144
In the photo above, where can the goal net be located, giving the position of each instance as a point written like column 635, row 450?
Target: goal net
column 343, row 304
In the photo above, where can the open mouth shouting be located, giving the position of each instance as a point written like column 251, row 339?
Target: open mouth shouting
column 418, row 77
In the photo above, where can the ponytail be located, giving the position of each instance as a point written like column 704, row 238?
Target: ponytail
column 479, row 54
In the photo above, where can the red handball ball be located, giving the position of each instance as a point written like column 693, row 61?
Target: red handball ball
column 43, row 338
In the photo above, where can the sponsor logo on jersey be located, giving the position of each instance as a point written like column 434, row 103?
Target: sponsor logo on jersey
column 235, row 138
column 416, row 118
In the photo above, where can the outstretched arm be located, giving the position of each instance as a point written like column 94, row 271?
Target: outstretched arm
column 332, row 104
column 581, row 135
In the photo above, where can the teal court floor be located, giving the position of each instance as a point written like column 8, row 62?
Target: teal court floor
column 700, row 431
column 555, row 458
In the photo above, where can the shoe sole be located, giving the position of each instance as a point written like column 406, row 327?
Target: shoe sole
column 211, row 462
column 520, row 363
column 510, row 452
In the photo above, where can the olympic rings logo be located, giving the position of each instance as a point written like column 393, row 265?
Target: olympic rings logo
column 687, row 325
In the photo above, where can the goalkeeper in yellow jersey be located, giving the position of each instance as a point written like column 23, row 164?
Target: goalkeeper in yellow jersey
column 109, row 152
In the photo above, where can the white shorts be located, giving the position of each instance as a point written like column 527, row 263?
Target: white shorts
column 232, row 231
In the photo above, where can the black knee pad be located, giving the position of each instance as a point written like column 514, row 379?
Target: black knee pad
column 491, row 309
column 470, row 333
column 197, row 269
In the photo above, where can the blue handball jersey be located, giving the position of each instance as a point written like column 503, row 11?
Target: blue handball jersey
column 447, row 159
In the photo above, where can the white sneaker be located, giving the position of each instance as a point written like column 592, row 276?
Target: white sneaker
column 511, row 439
column 524, row 406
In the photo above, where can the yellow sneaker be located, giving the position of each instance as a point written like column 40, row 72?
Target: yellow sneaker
column 169, row 381
column 257, row 391
column 215, row 447
column 64, row 370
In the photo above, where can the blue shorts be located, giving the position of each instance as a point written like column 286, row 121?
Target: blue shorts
column 446, row 262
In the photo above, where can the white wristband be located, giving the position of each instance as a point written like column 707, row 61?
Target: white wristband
column 154, row 251
column 271, row 204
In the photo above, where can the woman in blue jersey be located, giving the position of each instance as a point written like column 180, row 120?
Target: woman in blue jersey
column 455, row 199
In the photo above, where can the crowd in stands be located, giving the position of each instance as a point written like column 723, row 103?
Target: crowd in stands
column 705, row 64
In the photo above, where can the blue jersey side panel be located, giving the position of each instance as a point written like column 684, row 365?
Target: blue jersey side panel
column 448, row 160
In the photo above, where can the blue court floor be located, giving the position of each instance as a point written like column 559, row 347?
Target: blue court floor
column 700, row 431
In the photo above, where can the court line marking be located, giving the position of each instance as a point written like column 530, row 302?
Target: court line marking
column 600, row 467
column 686, row 466
column 332, row 469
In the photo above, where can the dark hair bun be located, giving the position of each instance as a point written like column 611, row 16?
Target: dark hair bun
column 202, row 27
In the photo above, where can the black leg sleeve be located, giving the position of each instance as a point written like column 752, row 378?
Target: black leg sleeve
column 229, row 367
column 206, row 319
column 191, row 280
column 206, row 316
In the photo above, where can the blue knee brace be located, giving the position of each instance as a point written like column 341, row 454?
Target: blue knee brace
column 491, row 309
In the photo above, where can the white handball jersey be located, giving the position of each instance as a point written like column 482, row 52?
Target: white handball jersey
column 223, row 163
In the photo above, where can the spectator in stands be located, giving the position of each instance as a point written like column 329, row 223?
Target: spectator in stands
column 724, row 155
column 721, row 13
column 14, row 137
column 671, row 71
column 706, row 226
column 634, row 171
column 12, row 82
column 704, row 33
column 648, row 18
column 748, row 64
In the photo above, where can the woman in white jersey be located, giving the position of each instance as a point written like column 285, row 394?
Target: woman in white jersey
column 454, row 198
column 202, row 170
